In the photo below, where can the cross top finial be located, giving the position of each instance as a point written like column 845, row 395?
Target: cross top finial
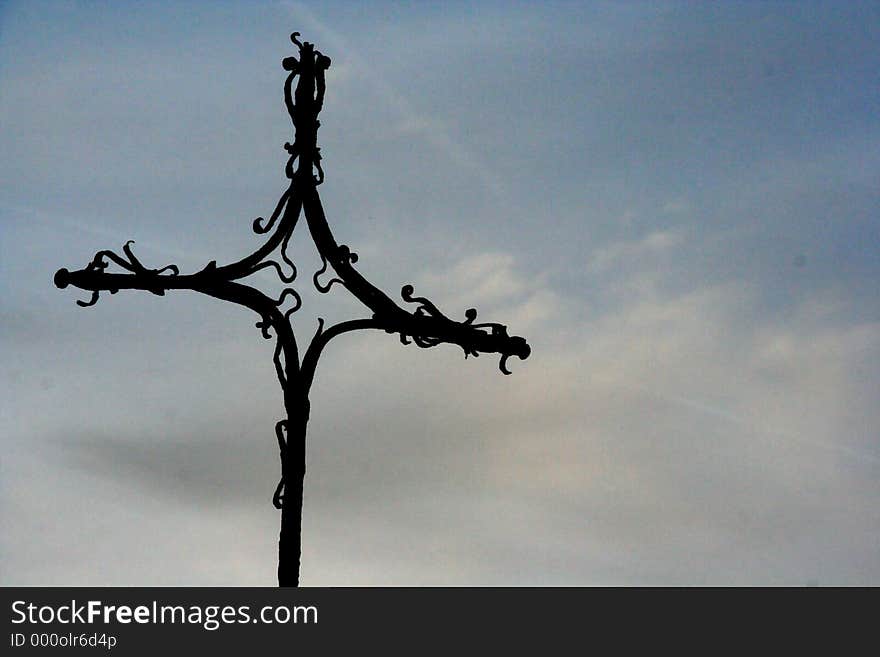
column 304, row 104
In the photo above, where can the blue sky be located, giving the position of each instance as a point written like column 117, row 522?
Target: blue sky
column 677, row 203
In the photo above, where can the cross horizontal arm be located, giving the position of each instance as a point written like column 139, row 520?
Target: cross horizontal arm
column 427, row 326
column 94, row 279
column 99, row 281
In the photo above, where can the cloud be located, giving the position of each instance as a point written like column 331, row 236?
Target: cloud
column 665, row 433
column 661, row 441
column 632, row 253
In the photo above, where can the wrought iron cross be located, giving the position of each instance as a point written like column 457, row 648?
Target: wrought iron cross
column 426, row 326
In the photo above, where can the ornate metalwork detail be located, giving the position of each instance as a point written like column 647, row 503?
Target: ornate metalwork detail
column 426, row 325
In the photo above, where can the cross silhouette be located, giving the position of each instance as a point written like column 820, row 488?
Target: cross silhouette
column 425, row 326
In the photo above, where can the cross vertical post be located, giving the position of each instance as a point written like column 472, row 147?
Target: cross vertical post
column 426, row 325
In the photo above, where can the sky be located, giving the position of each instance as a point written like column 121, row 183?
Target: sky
column 677, row 204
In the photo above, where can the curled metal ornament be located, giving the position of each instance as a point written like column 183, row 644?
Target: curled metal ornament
column 264, row 325
column 278, row 496
column 425, row 306
column 285, row 278
column 130, row 263
column 290, row 292
column 325, row 287
column 287, row 260
column 90, row 302
column 258, row 226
